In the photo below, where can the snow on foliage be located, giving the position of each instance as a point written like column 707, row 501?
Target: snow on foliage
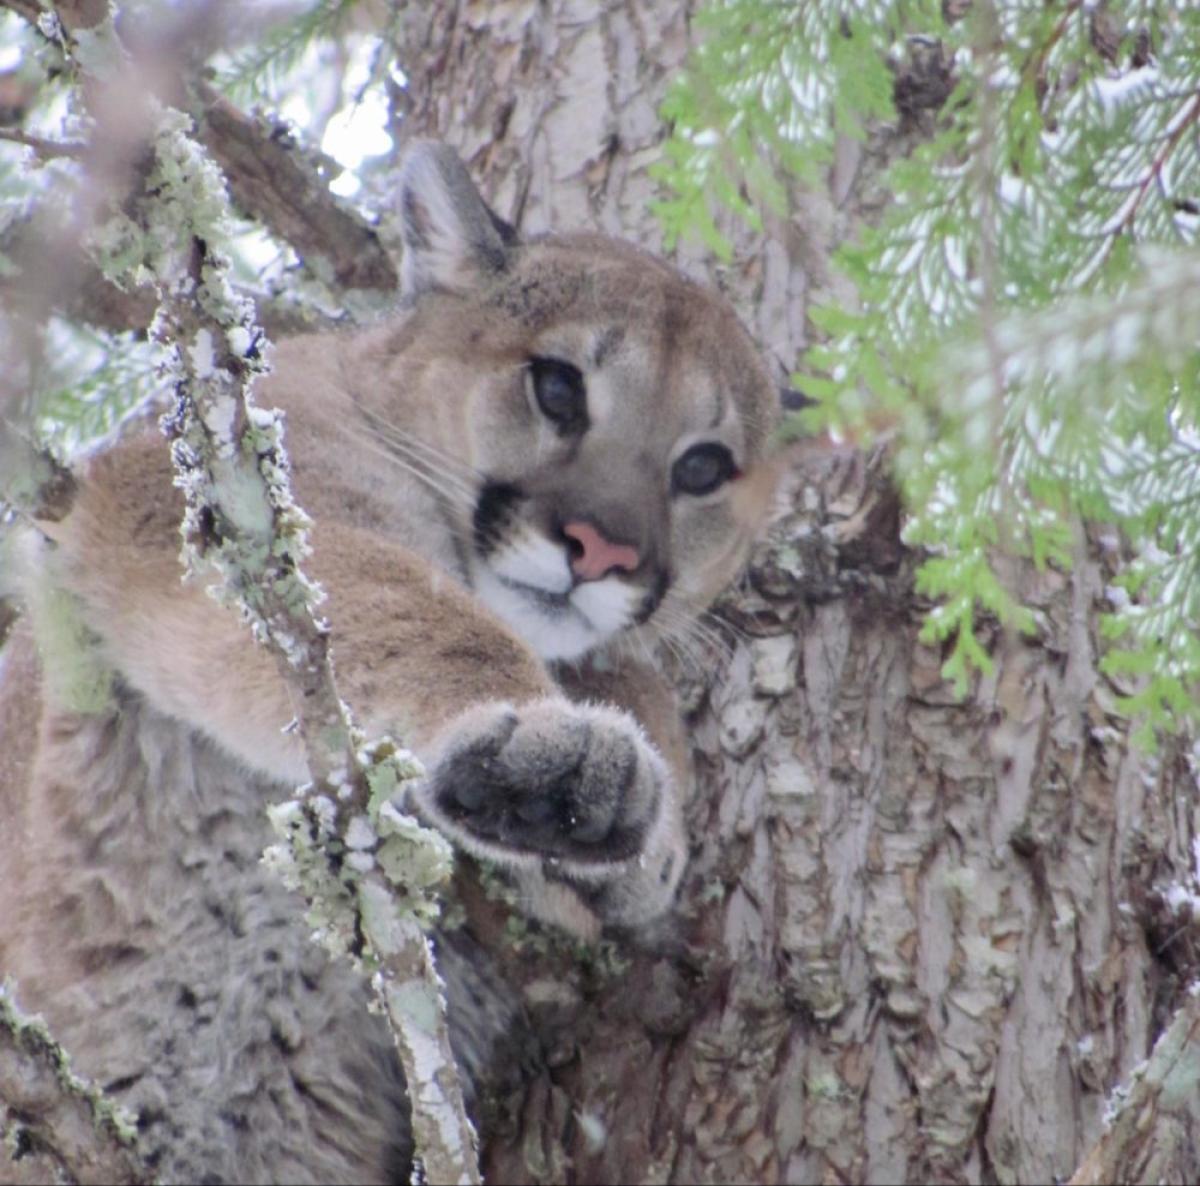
column 1027, row 309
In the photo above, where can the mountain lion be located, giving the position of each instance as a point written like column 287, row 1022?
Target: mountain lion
column 544, row 466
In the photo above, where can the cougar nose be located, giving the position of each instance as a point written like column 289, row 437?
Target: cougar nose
column 593, row 556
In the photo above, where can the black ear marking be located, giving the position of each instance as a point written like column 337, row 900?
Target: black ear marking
column 452, row 240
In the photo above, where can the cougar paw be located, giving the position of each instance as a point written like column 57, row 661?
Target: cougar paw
column 576, row 786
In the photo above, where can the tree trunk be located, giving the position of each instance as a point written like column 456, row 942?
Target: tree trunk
column 921, row 939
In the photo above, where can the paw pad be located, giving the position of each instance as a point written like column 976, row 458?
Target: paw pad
column 550, row 780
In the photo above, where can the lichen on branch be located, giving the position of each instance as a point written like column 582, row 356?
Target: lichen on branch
column 370, row 874
column 51, row 1115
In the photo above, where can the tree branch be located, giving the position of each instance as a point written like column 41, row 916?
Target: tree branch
column 346, row 842
column 49, row 1114
column 29, row 9
column 271, row 180
column 43, row 147
column 1152, row 1124
column 241, row 518
column 81, row 292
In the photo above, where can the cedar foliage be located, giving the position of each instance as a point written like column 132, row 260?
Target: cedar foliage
column 1027, row 310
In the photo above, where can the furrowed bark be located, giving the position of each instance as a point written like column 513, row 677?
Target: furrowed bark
column 1152, row 1128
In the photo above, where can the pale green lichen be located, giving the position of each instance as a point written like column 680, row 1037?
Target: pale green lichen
column 241, row 480
column 25, row 470
column 419, row 1024
column 241, row 518
column 372, row 881
column 189, row 200
column 1181, row 1082
column 960, row 883
column 416, row 861
column 50, row 27
column 826, row 1085
column 302, row 862
column 33, row 1036
column 269, row 542
column 71, row 660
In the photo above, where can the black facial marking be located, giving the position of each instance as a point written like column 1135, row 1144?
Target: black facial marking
column 653, row 598
column 496, row 504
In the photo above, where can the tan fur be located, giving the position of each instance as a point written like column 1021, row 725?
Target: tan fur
column 565, row 735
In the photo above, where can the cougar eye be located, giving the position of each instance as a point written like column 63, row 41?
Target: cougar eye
column 702, row 469
column 560, row 393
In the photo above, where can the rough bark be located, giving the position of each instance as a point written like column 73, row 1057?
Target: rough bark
column 921, row 939
column 1152, row 1133
column 268, row 181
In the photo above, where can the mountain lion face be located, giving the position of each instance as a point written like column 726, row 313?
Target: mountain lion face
column 607, row 417
column 553, row 447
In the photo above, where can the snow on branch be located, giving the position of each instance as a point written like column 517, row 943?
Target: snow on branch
column 1085, row 341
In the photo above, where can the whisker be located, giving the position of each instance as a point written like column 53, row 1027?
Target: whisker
column 625, row 647
column 649, row 658
column 682, row 656
column 405, row 438
column 689, row 658
column 672, row 632
column 698, row 635
column 676, row 615
column 410, row 447
column 706, row 626
column 454, row 490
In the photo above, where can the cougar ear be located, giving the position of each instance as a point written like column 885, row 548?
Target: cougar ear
column 452, row 240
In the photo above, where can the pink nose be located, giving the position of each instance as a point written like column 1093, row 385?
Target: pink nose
column 593, row 556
